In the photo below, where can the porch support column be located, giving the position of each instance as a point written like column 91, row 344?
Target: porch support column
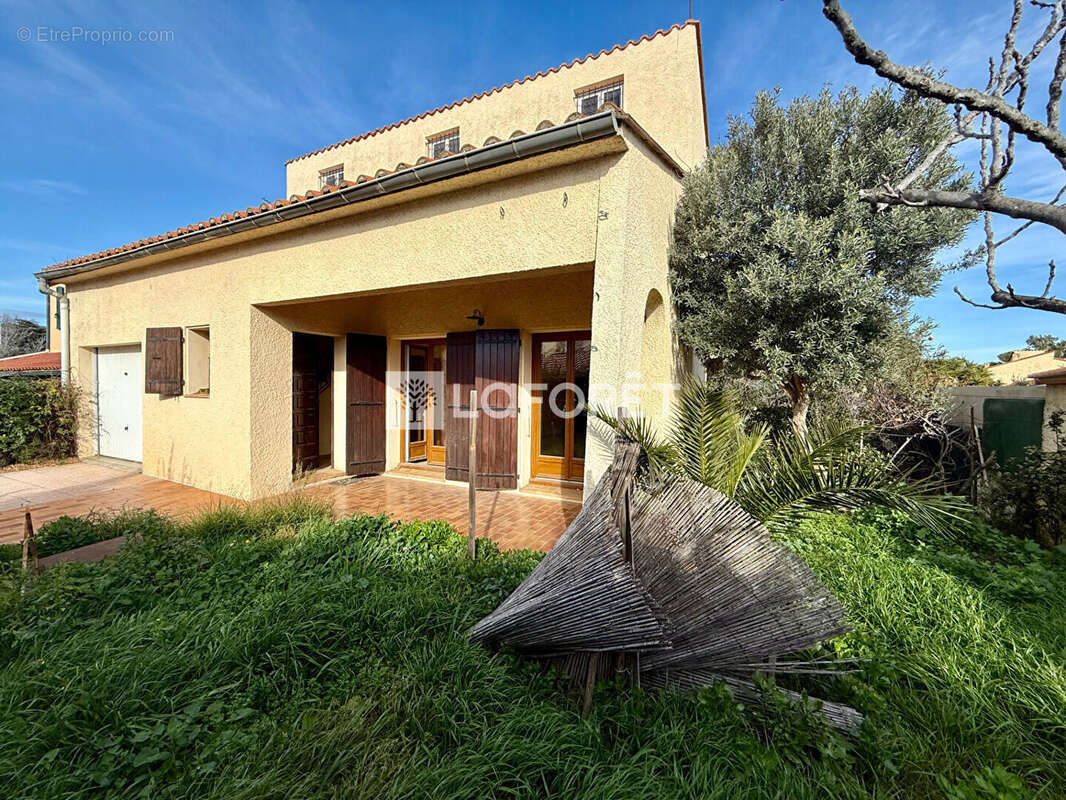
column 637, row 200
column 270, row 405
column 340, row 401
column 611, row 322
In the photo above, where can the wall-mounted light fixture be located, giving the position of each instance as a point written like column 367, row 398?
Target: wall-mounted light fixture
column 478, row 316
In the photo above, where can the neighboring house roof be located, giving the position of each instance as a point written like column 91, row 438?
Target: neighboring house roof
column 32, row 363
column 578, row 128
column 1019, row 365
column 516, row 82
column 1018, row 355
column 1051, row 376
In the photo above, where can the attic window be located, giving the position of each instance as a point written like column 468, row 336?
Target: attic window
column 446, row 141
column 331, row 177
column 590, row 98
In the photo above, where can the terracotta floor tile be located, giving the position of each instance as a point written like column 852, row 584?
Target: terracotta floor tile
column 513, row 520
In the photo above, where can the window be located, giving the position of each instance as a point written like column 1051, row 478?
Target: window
column 198, row 353
column 590, row 98
column 331, row 177
column 449, row 140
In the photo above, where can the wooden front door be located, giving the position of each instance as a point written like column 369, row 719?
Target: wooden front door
column 487, row 361
column 423, row 399
column 304, row 402
column 560, row 418
column 366, row 405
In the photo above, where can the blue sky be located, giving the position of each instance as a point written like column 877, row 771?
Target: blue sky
column 104, row 143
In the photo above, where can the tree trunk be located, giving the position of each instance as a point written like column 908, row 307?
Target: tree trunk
column 799, row 394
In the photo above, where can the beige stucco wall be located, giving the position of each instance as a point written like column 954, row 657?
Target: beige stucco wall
column 961, row 400
column 1019, row 369
column 1054, row 400
column 516, row 248
column 639, row 196
column 663, row 90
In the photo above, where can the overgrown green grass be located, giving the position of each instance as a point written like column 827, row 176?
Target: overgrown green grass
column 277, row 653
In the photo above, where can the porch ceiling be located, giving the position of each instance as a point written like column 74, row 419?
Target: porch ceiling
column 547, row 300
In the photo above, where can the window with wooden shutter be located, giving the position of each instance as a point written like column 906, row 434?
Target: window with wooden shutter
column 162, row 361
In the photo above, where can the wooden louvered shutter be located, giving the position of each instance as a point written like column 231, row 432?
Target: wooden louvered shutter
column 162, row 361
column 366, row 405
column 458, row 381
column 496, row 368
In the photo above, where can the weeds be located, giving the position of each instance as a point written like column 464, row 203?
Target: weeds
column 279, row 653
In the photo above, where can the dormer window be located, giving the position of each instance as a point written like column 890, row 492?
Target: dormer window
column 441, row 142
column 331, row 177
column 590, row 98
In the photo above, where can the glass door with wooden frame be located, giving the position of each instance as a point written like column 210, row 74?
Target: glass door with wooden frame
column 423, row 363
column 560, row 394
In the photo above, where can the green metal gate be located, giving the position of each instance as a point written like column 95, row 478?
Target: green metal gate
column 1011, row 425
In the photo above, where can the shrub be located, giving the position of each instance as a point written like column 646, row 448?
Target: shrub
column 1028, row 499
column 38, row 420
column 68, row 533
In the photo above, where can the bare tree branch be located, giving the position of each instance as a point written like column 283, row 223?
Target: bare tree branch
column 1025, row 225
column 1054, row 92
column 1011, row 299
column 974, row 303
column 928, row 86
column 1015, row 207
column 1000, row 124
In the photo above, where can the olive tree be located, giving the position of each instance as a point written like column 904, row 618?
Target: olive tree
column 779, row 271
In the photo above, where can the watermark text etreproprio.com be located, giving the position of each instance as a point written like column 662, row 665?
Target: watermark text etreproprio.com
column 49, row 34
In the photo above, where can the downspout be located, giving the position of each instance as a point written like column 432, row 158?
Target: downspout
column 63, row 302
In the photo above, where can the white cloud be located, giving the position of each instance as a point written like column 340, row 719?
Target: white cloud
column 42, row 187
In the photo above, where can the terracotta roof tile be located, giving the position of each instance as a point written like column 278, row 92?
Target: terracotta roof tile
column 516, row 82
column 31, row 362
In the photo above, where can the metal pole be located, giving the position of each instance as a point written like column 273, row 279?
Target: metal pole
column 471, row 536
column 64, row 348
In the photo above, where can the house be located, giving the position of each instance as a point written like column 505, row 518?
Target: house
column 1018, row 366
column 514, row 242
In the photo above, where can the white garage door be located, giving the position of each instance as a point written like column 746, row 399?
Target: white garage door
column 119, row 386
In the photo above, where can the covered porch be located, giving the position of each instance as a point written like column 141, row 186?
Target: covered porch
column 381, row 380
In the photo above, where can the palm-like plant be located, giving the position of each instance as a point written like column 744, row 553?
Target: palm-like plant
column 783, row 480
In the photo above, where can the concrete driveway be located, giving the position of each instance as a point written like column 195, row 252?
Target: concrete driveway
column 87, row 486
column 28, row 487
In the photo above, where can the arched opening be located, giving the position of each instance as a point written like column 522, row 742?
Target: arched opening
column 655, row 356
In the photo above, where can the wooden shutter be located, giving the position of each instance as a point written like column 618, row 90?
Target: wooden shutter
column 458, row 381
column 366, row 405
column 162, row 361
column 496, row 368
